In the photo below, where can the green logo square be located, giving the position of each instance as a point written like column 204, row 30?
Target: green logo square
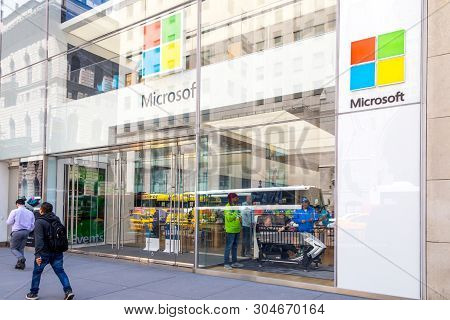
column 171, row 28
column 391, row 44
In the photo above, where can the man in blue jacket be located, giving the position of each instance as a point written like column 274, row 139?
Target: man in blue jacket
column 305, row 217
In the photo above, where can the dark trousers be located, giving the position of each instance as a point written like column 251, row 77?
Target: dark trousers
column 246, row 240
column 56, row 261
column 231, row 244
column 18, row 243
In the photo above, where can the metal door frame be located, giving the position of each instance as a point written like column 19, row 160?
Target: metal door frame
column 176, row 204
column 71, row 185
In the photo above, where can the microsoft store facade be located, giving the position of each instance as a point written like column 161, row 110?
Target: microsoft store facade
column 137, row 130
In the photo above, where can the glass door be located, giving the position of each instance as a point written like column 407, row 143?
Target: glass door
column 84, row 203
column 130, row 221
column 180, row 223
column 153, row 203
column 136, row 202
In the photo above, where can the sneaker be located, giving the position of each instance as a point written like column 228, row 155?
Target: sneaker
column 69, row 295
column 298, row 258
column 237, row 265
column 32, row 296
column 228, row 267
column 20, row 265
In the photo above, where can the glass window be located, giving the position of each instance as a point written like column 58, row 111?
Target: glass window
column 22, row 120
column 24, row 34
column 76, row 22
column 99, row 93
column 267, row 169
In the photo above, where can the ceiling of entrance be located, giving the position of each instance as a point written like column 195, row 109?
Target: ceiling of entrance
column 279, row 129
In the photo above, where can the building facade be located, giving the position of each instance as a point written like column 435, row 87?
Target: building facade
column 137, row 130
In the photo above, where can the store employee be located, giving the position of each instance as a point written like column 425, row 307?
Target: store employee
column 305, row 217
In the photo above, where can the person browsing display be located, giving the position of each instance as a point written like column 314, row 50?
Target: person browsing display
column 305, row 217
column 233, row 226
column 247, row 221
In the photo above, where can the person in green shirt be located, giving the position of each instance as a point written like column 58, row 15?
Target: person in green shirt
column 233, row 223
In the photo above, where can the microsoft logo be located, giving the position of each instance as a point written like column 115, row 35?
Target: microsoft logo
column 163, row 46
column 378, row 61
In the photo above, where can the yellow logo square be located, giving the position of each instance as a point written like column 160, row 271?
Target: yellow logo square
column 170, row 56
column 391, row 71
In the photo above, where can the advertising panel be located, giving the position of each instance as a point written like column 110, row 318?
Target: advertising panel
column 379, row 54
column 379, row 147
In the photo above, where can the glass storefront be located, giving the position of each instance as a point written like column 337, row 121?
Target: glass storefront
column 120, row 100
column 273, row 169
column 169, row 134
column 268, row 136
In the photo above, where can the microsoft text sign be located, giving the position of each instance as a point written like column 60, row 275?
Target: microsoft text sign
column 379, row 57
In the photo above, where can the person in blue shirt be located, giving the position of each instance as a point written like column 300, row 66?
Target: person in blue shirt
column 305, row 217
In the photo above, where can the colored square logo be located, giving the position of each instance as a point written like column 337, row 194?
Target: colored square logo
column 391, row 71
column 378, row 61
column 163, row 46
column 362, row 76
column 171, row 28
column 151, row 62
column 171, row 56
column 363, row 51
column 391, row 44
column 152, row 35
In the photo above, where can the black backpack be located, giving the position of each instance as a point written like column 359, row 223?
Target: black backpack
column 57, row 236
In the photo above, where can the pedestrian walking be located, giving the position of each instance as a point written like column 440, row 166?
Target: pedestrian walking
column 50, row 244
column 22, row 221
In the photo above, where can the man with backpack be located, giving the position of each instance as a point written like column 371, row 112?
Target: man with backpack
column 50, row 243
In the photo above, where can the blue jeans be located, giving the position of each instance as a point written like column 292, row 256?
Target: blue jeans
column 231, row 244
column 246, row 240
column 56, row 261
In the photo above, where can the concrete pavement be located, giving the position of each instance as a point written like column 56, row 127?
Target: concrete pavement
column 104, row 279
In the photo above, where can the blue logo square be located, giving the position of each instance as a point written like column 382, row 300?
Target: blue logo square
column 362, row 76
column 151, row 61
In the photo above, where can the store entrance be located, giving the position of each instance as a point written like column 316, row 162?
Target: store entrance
column 135, row 202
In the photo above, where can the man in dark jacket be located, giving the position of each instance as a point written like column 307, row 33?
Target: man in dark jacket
column 44, row 255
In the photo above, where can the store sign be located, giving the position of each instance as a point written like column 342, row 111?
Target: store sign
column 378, row 61
column 379, row 58
column 163, row 46
column 156, row 99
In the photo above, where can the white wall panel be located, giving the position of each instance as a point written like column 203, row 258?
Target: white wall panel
column 379, row 201
column 378, row 151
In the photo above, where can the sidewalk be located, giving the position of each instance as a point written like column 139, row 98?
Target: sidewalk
column 104, row 279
